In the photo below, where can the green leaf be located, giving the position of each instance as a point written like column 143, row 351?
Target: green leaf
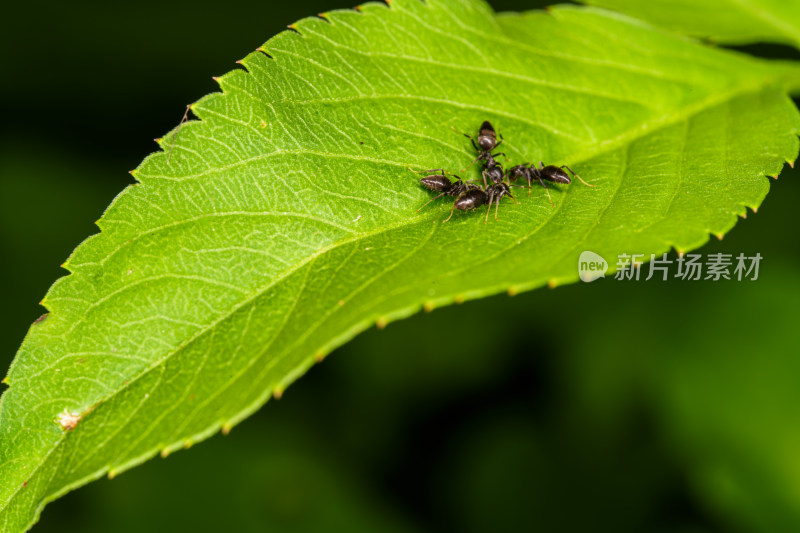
column 724, row 21
column 284, row 222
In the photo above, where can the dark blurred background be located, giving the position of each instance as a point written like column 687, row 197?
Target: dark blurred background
column 619, row 406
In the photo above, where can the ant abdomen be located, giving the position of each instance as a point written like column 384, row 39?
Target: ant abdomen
column 436, row 183
column 487, row 137
column 471, row 199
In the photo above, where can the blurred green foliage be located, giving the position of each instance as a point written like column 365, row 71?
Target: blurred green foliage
column 622, row 406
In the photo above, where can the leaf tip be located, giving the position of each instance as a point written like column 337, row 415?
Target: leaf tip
column 188, row 444
column 277, row 393
column 719, row 235
column 552, row 283
column 790, row 163
column 41, row 319
column 512, row 290
column 743, row 215
column 381, row 322
column 226, row 428
column 264, row 51
column 774, row 176
column 164, row 453
column 112, row 474
column 459, row 299
column 319, row 357
column 428, row 306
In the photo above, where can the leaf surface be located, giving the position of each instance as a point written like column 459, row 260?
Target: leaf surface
column 284, row 223
column 724, row 21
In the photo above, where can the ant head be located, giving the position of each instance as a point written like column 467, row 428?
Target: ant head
column 487, row 138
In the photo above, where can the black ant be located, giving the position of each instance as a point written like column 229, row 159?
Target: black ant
column 487, row 142
column 468, row 196
column 496, row 190
column 549, row 173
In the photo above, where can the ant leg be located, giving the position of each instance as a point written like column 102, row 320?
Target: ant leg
column 483, row 174
column 575, row 175
column 496, row 208
column 499, row 154
column 475, row 161
column 468, row 137
column 429, row 201
column 515, row 200
column 451, row 213
column 547, row 191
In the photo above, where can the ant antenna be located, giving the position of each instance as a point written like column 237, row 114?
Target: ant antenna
column 177, row 131
column 461, row 132
column 575, row 175
column 424, row 171
column 472, row 140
